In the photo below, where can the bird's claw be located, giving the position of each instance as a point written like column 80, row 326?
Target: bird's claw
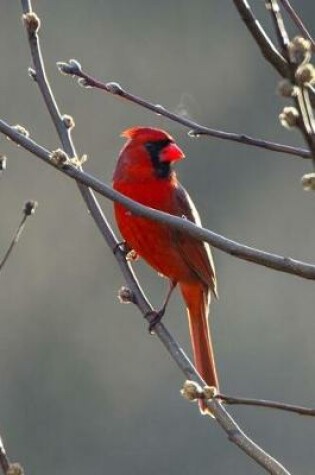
column 132, row 255
column 122, row 246
column 154, row 318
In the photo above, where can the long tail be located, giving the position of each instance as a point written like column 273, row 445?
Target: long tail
column 197, row 299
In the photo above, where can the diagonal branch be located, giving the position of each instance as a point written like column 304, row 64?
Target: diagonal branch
column 73, row 68
column 302, row 410
column 62, row 123
column 280, row 29
column 273, row 261
column 298, row 21
column 267, row 48
column 306, row 122
column 29, row 210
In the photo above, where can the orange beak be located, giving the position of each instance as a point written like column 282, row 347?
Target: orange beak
column 171, row 153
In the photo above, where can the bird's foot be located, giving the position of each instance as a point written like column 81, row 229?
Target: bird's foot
column 130, row 254
column 120, row 246
column 154, row 318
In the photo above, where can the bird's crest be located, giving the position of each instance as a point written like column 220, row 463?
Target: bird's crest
column 146, row 134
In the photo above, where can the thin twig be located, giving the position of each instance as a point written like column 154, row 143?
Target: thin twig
column 61, row 126
column 39, row 75
column 236, row 249
column 281, row 32
column 298, row 21
column 29, row 210
column 267, row 48
column 73, row 68
column 306, row 124
column 302, row 410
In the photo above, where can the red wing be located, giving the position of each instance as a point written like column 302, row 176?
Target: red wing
column 196, row 254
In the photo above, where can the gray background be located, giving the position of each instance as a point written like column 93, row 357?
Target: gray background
column 84, row 389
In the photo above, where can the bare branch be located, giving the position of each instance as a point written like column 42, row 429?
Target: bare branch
column 61, row 125
column 273, row 261
column 305, row 122
column 280, row 29
column 305, row 411
column 29, row 210
column 39, row 74
column 298, row 21
column 73, row 68
column 267, row 48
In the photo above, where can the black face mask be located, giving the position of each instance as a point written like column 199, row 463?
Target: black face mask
column 162, row 169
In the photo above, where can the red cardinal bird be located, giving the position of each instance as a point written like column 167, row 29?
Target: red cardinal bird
column 144, row 173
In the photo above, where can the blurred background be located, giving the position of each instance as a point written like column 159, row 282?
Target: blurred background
column 84, row 388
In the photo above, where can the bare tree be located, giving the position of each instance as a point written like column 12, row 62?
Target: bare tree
column 291, row 59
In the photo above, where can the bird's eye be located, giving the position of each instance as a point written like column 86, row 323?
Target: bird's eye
column 157, row 146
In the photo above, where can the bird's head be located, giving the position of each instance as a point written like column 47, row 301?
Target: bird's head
column 149, row 152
